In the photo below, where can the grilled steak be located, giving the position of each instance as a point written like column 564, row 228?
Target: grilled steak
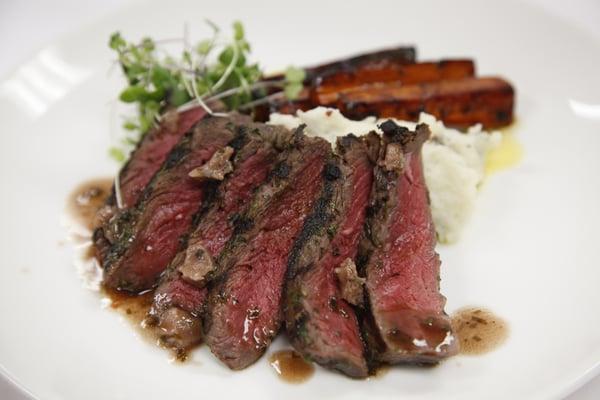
column 400, row 264
column 143, row 163
column 244, row 306
column 152, row 151
column 149, row 235
column 182, row 292
column 320, row 322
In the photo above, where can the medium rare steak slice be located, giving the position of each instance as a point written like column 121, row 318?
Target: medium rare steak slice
column 401, row 266
column 149, row 235
column 143, row 163
column 244, row 306
column 153, row 150
column 180, row 297
column 320, row 321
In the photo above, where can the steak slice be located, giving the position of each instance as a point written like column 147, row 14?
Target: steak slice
column 149, row 235
column 320, row 322
column 244, row 306
column 143, row 163
column 400, row 264
column 180, row 298
column 153, row 150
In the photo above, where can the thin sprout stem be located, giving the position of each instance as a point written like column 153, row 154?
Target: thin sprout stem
column 236, row 90
column 260, row 101
column 230, row 92
column 118, row 195
column 229, row 69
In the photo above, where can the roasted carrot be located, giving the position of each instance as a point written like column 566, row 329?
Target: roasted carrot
column 394, row 55
column 459, row 103
column 326, row 87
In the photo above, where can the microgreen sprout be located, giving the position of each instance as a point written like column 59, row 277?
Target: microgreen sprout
column 213, row 69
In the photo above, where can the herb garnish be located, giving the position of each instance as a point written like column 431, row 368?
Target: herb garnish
column 212, row 69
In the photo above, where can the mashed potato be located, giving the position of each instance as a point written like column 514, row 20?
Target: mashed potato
column 454, row 162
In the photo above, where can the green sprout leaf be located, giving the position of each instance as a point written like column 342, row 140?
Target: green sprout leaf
column 292, row 90
column 238, row 30
column 116, row 42
column 133, row 94
column 295, row 75
column 117, row 154
column 204, row 47
column 158, row 82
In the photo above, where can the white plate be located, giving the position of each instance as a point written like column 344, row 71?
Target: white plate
column 529, row 253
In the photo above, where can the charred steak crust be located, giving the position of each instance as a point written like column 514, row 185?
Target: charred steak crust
column 143, row 163
column 321, row 325
column 182, row 286
column 398, row 259
column 148, row 236
column 244, row 306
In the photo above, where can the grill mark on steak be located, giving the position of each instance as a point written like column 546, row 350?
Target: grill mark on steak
column 399, row 261
column 252, row 166
column 321, row 325
column 143, row 163
column 244, row 307
column 150, row 234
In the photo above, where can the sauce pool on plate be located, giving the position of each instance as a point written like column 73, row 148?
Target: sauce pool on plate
column 87, row 199
column 478, row 330
column 291, row 367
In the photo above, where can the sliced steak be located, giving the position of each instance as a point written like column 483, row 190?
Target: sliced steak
column 400, row 264
column 153, row 150
column 244, row 306
column 149, row 235
column 143, row 163
column 320, row 322
column 182, row 292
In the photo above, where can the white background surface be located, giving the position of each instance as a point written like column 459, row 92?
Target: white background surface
column 27, row 26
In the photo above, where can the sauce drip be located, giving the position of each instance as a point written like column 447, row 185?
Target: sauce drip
column 87, row 198
column 478, row 330
column 290, row 366
column 134, row 308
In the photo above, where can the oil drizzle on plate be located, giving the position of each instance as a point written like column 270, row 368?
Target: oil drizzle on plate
column 291, row 367
column 87, row 199
column 508, row 154
column 479, row 330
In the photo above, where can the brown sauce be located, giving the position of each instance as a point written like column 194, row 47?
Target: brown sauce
column 291, row 367
column 87, row 199
column 479, row 331
column 133, row 307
